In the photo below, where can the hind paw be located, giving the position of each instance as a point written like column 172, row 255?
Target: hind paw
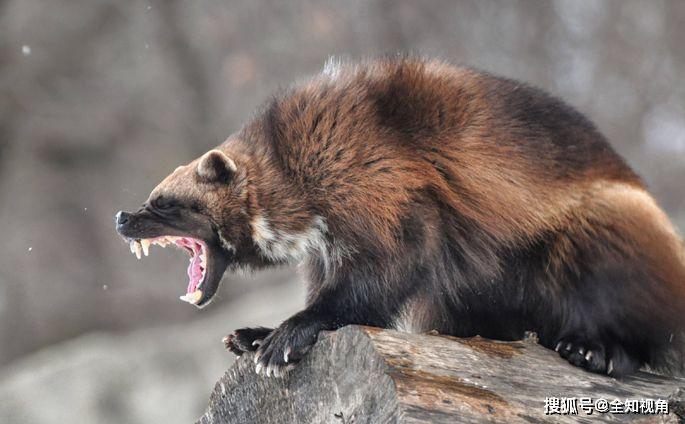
column 611, row 359
column 584, row 354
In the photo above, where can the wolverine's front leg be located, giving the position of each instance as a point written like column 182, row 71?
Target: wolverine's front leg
column 360, row 302
column 290, row 341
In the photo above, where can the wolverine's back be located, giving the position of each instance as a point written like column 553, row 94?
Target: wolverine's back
column 484, row 145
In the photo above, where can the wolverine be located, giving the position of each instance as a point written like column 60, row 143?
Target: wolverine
column 425, row 196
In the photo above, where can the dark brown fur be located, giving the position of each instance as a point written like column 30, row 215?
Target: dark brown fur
column 452, row 200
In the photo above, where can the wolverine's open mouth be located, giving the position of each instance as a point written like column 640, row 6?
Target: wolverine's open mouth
column 197, row 268
column 191, row 233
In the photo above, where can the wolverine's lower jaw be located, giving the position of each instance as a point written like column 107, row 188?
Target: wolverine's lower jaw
column 207, row 264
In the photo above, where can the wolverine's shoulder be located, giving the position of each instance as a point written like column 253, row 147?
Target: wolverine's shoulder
column 404, row 93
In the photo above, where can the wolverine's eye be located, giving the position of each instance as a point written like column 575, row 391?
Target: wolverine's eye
column 164, row 203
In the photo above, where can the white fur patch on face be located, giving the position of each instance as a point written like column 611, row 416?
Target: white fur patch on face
column 292, row 248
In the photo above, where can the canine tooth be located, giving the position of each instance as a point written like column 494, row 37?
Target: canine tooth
column 138, row 249
column 197, row 294
column 193, row 297
column 132, row 246
column 146, row 246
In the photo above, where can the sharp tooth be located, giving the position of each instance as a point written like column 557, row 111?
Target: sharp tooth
column 138, row 249
column 193, row 297
column 132, row 246
column 197, row 295
column 202, row 257
column 146, row 246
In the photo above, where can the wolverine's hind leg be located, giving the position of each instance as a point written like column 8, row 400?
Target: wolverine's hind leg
column 615, row 272
column 605, row 321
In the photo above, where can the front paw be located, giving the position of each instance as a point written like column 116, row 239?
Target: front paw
column 246, row 339
column 286, row 345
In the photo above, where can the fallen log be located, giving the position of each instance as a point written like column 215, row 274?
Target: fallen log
column 368, row 375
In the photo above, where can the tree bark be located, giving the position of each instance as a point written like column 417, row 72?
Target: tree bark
column 368, row 375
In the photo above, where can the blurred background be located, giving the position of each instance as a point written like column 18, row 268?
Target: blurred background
column 100, row 99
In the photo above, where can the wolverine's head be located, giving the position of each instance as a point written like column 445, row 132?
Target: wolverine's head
column 202, row 208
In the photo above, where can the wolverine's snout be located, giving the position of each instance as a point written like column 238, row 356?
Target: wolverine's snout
column 135, row 225
column 123, row 223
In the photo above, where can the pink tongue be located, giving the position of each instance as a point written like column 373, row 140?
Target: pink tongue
column 194, row 273
column 192, row 284
column 194, row 270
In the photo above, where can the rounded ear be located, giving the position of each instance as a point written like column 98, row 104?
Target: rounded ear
column 215, row 165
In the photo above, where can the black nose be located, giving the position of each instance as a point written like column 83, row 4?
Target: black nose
column 121, row 218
